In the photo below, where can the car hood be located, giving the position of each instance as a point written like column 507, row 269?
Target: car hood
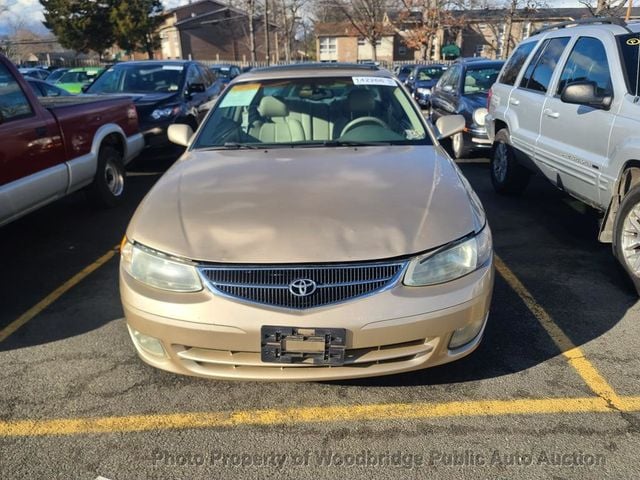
column 476, row 100
column 305, row 205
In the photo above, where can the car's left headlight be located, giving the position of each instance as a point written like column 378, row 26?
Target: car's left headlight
column 159, row 270
column 479, row 115
column 161, row 113
column 451, row 261
column 424, row 91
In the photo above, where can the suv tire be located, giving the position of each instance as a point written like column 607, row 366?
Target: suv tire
column 626, row 235
column 507, row 175
column 108, row 187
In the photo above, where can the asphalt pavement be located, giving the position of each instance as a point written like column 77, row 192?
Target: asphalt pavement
column 552, row 392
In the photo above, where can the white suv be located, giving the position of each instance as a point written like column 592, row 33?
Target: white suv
column 567, row 104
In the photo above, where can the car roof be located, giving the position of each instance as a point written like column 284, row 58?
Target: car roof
column 154, row 62
column 310, row 70
column 83, row 69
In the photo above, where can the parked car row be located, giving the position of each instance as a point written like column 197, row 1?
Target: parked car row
column 55, row 143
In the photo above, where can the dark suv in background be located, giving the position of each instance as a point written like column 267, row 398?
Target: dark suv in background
column 463, row 90
column 164, row 92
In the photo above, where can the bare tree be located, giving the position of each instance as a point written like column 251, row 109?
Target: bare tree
column 422, row 21
column 366, row 17
column 605, row 8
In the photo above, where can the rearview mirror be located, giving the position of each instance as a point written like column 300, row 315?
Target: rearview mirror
column 180, row 134
column 449, row 125
column 585, row 93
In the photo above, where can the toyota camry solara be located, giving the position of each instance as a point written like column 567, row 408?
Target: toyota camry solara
column 314, row 229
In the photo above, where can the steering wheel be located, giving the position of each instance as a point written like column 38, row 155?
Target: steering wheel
column 357, row 121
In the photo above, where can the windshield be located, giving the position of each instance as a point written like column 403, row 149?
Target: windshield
column 223, row 72
column 77, row 77
column 429, row 73
column 319, row 111
column 629, row 49
column 55, row 75
column 479, row 80
column 138, row 78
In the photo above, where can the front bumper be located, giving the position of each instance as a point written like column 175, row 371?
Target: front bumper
column 397, row 330
column 423, row 99
column 155, row 133
column 478, row 137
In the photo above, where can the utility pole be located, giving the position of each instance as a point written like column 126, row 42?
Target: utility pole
column 629, row 7
column 266, row 32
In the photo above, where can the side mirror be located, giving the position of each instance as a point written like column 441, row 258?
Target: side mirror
column 585, row 93
column 180, row 134
column 85, row 87
column 196, row 88
column 449, row 125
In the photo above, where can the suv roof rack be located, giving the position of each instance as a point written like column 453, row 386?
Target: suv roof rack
column 585, row 21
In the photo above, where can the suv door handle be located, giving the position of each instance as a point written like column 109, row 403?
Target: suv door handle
column 550, row 113
column 514, row 101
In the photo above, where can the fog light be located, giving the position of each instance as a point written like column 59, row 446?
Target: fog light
column 464, row 335
column 148, row 344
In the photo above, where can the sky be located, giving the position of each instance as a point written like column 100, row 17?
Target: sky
column 30, row 12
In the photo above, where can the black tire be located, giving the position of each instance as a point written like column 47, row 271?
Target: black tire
column 108, row 187
column 507, row 175
column 460, row 146
column 624, row 237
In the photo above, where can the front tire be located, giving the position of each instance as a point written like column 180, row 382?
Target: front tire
column 108, row 187
column 460, row 146
column 507, row 175
column 626, row 235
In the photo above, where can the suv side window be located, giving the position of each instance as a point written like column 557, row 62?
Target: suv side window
column 540, row 70
column 515, row 63
column 588, row 61
column 13, row 102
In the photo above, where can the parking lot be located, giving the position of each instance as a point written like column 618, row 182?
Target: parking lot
column 552, row 392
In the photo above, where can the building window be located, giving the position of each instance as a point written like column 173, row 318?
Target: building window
column 361, row 41
column 402, row 50
column 328, row 46
column 526, row 30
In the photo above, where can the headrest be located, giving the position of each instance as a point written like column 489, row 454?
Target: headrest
column 272, row 107
column 469, row 81
column 361, row 100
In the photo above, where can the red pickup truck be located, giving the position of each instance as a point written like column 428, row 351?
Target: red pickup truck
column 50, row 147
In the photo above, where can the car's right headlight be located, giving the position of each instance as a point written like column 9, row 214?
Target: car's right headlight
column 479, row 115
column 158, row 269
column 424, row 91
column 451, row 261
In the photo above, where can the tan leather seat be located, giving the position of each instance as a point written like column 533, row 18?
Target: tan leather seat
column 277, row 125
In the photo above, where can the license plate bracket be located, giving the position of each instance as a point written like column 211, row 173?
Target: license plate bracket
column 317, row 346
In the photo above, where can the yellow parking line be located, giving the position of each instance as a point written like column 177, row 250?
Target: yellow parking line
column 301, row 415
column 55, row 295
column 594, row 380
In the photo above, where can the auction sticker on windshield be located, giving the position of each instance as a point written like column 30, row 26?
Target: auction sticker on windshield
column 240, row 95
column 387, row 82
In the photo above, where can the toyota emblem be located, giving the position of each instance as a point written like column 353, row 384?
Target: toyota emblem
column 303, row 287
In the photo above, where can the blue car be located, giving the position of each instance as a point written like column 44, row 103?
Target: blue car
column 422, row 80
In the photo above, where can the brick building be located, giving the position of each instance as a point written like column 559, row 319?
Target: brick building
column 211, row 30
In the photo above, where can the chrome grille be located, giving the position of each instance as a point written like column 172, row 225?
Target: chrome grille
column 270, row 285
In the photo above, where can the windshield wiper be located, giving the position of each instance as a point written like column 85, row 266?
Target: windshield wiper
column 238, row 145
column 353, row 143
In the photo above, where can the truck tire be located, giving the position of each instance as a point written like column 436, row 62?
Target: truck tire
column 626, row 235
column 108, row 187
column 507, row 175
column 460, row 146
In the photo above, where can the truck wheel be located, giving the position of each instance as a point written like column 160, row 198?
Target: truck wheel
column 460, row 146
column 108, row 187
column 508, row 177
column 626, row 235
